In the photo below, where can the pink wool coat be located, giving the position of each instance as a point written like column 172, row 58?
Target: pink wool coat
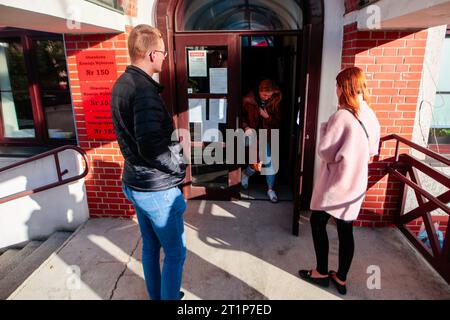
column 344, row 153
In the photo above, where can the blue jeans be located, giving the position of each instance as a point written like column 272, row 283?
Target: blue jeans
column 160, row 217
column 270, row 178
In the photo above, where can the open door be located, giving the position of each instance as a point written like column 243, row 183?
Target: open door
column 307, row 131
column 208, row 95
column 301, row 200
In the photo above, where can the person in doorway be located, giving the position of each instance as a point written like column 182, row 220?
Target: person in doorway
column 261, row 110
column 347, row 140
column 153, row 167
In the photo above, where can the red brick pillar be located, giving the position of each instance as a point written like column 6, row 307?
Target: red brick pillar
column 103, row 184
column 393, row 62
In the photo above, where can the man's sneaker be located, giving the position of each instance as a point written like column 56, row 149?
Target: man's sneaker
column 244, row 180
column 272, row 196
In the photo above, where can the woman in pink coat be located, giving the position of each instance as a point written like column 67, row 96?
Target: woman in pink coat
column 347, row 140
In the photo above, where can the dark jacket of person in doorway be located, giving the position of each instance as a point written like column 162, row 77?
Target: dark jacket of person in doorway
column 261, row 107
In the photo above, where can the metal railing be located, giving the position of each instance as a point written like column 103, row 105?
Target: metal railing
column 405, row 169
column 60, row 173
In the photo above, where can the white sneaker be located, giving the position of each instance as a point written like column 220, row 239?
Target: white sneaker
column 272, row 196
column 244, row 180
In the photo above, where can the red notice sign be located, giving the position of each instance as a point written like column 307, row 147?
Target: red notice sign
column 97, row 72
column 101, row 131
column 96, row 95
column 96, row 65
column 99, row 125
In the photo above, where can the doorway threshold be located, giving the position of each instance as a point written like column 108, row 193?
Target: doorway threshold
column 259, row 192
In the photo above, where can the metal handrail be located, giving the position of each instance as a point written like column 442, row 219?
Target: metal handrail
column 405, row 163
column 424, row 193
column 391, row 168
column 60, row 173
column 424, row 150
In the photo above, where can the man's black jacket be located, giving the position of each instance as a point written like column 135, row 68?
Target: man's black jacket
column 143, row 129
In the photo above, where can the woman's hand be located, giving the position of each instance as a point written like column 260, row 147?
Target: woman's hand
column 263, row 113
column 256, row 166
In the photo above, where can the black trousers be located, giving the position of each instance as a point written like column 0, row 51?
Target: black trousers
column 319, row 220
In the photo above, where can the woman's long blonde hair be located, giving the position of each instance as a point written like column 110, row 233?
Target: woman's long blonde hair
column 352, row 81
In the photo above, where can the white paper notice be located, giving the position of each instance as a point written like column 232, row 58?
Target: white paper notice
column 218, row 81
column 210, row 131
column 197, row 110
column 197, row 63
column 218, row 110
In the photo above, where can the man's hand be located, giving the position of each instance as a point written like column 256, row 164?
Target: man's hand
column 263, row 113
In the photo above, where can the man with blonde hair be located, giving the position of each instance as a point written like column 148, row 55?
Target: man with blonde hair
column 153, row 167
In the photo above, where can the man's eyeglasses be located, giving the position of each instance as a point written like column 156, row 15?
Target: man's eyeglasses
column 163, row 52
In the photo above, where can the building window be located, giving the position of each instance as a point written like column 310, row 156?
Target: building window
column 439, row 138
column 16, row 107
column 35, row 102
column 111, row 4
column 239, row 15
column 54, row 88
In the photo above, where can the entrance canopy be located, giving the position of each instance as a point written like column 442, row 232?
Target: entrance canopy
column 239, row 15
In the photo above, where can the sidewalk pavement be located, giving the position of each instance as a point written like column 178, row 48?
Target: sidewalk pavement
column 236, row 250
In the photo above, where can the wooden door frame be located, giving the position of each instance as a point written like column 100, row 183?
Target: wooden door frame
column 313, row 28
column 217, row 39
column 27, row 37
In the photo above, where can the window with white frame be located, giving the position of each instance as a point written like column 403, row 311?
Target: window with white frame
column 440, row 125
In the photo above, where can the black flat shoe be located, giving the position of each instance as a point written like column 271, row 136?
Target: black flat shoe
column 342, row 289
column 306, row 275
column 181, row 295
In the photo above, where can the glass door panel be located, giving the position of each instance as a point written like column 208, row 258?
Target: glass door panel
column 16, row 107
column 205, row 94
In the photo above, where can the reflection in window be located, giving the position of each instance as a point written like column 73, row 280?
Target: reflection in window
column 115, row 4
column 53, row 83
column 257, row 41
column 199, row 79
column 239, row 15
column 440, row 125
column 17, row 112
column 207, row 74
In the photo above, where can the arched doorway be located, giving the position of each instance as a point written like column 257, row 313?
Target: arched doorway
column 198, row 31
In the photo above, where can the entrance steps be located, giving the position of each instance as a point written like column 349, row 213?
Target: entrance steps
column 16, row 265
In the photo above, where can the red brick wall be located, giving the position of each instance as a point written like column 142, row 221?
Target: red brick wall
column 415, row 225
column 103, row 184
column 393, row 62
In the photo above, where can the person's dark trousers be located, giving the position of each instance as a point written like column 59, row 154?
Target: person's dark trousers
column 319, row 220
column 160, row 217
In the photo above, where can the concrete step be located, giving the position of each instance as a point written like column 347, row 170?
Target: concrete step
column 5, row 260
column 27, row 266
column 11, row 258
